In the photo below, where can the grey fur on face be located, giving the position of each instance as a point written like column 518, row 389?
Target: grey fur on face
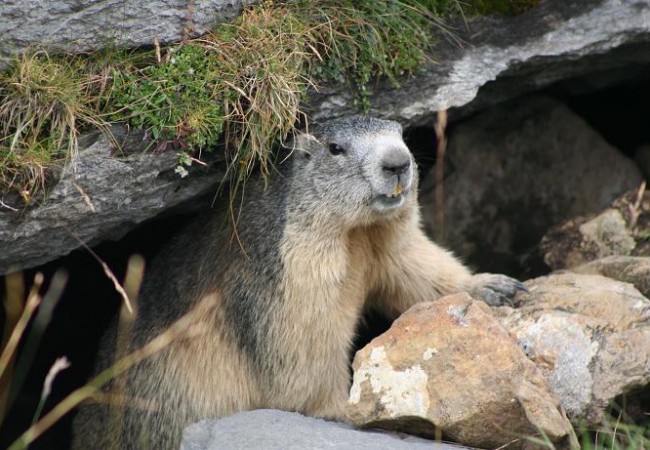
column 361, row 164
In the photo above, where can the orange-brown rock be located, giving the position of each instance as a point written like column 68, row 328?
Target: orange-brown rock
column 450, row 366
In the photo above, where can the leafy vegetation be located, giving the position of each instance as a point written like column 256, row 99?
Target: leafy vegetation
column 169, row 99
column 242, row 83
column 613, row 436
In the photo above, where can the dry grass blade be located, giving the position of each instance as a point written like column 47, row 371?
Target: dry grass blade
column 180, row 329
column 116, row 284
column 11, row 346
column 59, row 365
column 13, row 303
column 132, row 283
column 36, row 331
column 635, row 209
column 10, row 208
column 43, row 102
column 33, row 301
column 13, row 307
column 108, row 272
column 441, row 148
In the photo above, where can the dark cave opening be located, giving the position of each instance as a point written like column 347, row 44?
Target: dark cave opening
column 618, row 113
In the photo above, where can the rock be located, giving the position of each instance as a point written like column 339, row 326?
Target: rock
column 279, row 430
column 449, row 365
column 513, row 55
column 102, row 194
column 589, row 335
column 629, row 269
column 622, row 229
column 499, row 58
column 516, row 170
column 504, row 57
column 82, row 25
column 577, row 242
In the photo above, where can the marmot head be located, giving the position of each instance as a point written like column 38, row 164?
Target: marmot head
column 357, row 169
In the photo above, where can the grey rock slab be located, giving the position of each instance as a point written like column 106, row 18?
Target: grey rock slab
column 267, row 429
column 492, row 59
column 496, row 57
column 101, row 194
column 553, row 41
column 82, row 25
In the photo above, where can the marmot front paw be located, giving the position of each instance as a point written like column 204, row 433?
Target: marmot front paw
column 494, row 289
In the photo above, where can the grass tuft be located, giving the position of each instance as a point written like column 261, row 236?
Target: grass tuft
column 241, row 85
column 43, row 103
column 261, row 59
column 612, row 433
column 245, row 81
column 360, row 41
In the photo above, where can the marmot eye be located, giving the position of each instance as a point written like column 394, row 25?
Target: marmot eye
column 336, row 149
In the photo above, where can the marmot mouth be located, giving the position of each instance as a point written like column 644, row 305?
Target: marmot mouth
column 387, row 202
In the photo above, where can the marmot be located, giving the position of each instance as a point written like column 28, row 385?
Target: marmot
column 336, row 230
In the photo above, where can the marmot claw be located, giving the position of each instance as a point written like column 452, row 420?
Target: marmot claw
column 495, row 289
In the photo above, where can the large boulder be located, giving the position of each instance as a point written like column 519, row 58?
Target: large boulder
column 514, row 171
column 449, row 367
column 110, row 186
column 491, row 59
column 553, row 41
column 588, row 334
column 82, row 25
column 505, row 57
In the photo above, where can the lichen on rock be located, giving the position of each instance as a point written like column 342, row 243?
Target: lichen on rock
column 450, row 367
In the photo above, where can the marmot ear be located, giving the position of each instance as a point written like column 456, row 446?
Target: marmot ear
column 304, row 144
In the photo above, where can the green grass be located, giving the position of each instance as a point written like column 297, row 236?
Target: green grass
column 614, row 433
column 44, row 101
column 245, row 81
column 241, row 85
column 623, row 437
column 626, row 426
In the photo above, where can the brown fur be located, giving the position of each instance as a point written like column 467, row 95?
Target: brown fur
column 277, row 312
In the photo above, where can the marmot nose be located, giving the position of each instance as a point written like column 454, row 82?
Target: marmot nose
column 395, row 168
